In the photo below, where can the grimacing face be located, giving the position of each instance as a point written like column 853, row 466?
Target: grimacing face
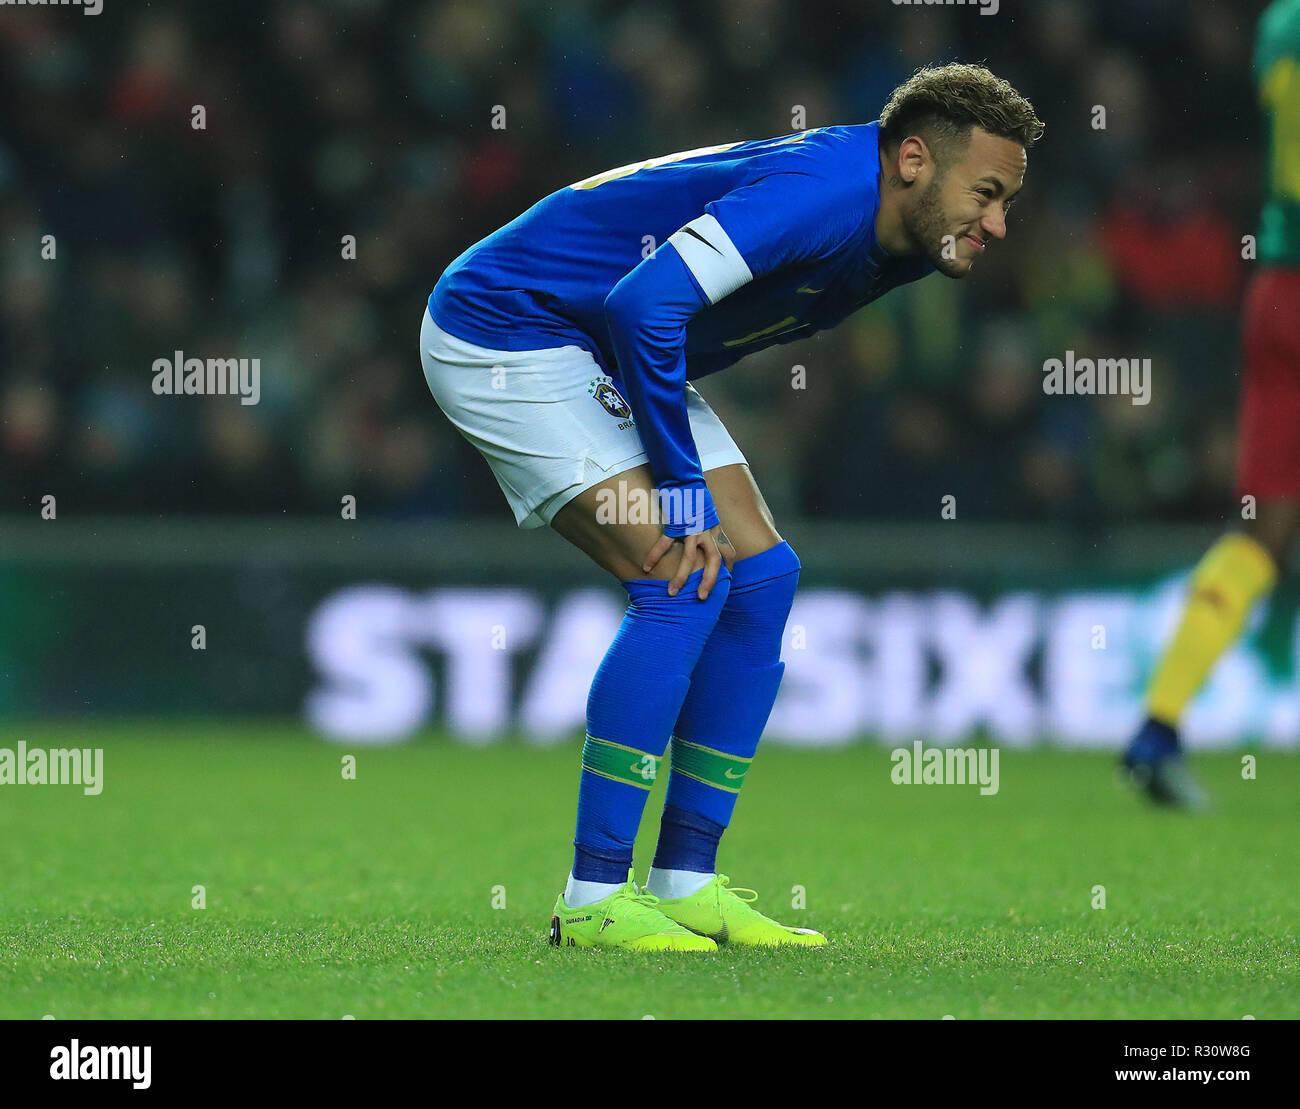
column 969, row 202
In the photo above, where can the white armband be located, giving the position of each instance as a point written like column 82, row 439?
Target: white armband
column 711, row 257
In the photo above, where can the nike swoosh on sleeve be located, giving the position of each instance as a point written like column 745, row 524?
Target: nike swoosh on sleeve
column 695, row 234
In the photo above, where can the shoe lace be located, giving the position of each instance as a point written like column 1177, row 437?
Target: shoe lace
column 640, row 897
column 739, row 891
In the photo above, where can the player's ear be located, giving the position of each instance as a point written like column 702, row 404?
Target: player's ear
column 913, row 157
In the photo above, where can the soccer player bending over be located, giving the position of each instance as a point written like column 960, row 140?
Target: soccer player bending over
column 1242, row 567
column 563, row 350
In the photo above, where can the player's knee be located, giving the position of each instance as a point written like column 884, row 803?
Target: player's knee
column 683, row 621
column 785, row 558
column 766, row 582
column 777, row 562
column 785, row 569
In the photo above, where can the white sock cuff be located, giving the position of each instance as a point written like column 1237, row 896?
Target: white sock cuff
column 669, row 885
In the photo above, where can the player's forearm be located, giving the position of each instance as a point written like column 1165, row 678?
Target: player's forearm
column 647, row 313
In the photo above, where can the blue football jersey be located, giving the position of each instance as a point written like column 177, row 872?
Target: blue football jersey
column 676, row 267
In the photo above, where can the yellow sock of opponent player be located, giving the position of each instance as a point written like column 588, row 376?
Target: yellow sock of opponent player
column 1227, row 582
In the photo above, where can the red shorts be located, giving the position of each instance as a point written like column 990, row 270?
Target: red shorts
column 1268, row 422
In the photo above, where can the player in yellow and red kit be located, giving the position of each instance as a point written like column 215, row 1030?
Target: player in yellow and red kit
column 1243, row 565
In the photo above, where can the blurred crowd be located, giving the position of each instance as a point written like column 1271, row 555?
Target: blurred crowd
column 127, row 234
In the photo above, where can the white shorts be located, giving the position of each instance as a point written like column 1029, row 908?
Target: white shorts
column 550, row 423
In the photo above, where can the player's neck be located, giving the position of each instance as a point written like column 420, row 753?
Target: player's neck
column 890, row 231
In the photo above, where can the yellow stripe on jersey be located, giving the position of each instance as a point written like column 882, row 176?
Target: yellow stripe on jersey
column 668, row 159
column 759, row 334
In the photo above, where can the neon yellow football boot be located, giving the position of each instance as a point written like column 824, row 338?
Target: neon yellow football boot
column 628, row 918
column 727, row 916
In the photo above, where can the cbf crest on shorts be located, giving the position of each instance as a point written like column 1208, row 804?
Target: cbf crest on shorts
column 611, row 400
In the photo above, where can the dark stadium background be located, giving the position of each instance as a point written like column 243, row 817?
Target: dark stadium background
column 375, row 119
column 340, row 755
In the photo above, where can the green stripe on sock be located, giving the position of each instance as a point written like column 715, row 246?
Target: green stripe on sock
column 619, row 763
column 713, row 768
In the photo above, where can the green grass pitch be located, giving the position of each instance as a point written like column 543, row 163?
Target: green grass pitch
column 374, row 897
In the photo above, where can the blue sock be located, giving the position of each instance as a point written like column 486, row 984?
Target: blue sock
column 687, row 840
column 732, row 691
column 635, row 697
